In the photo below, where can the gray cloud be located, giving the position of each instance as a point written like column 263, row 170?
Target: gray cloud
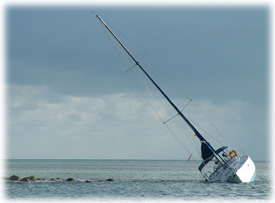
column 66, row 84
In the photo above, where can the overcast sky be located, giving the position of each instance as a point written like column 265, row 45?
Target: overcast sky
column 69, row 98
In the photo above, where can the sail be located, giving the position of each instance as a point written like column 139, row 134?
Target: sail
column 206, row 153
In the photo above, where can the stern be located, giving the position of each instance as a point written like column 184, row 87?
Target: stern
column 245, row 174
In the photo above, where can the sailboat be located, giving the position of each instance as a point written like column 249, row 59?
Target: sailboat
column 230, row 165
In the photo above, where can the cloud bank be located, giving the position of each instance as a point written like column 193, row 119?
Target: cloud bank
column 45, row 124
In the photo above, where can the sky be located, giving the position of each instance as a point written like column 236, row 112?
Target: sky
column 68, row 96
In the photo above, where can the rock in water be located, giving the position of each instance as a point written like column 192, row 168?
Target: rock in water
column 32, row 178
column 14, row 177
column 110, row 179
column 70, row 179
column 26, row 179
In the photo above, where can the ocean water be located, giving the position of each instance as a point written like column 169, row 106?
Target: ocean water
column 133, row 180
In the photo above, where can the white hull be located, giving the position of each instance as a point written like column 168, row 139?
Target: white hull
column 245, row 174
column 239, row 169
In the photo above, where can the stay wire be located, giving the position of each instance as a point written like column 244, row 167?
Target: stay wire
column 175, row 136
column 189, row 135
column 177, row 87
column 213, row 125
column 198, row 126
column 178, row 140
column 118, row 50
column 143, row 78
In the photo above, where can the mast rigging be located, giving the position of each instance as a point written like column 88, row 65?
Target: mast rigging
column 197, row 134
column 232, row 166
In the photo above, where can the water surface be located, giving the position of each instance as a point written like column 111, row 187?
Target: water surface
column 133, row 179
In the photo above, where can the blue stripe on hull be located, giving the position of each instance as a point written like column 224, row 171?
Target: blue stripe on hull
column 253, row 178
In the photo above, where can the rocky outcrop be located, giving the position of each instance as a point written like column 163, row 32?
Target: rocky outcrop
column 32, row 178
column 14, row 177
column 70, row 179
column 26, row 179
column 110, row 179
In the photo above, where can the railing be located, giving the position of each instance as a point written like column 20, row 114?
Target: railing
column 221, row 173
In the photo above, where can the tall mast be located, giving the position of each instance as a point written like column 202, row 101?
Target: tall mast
column 201, row 138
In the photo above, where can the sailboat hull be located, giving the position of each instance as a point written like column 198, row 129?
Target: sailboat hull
column 245, row 174
column 239, row 169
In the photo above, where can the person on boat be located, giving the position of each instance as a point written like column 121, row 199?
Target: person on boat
column 225, row 155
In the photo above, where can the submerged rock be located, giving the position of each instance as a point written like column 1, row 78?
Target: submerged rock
column 32, row 178
column 26, row 179
column 110, row 179
column 14, row 177
column 70, row 179
column 88, row 181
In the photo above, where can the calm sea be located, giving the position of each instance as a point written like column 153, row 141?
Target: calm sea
column 133, row 180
